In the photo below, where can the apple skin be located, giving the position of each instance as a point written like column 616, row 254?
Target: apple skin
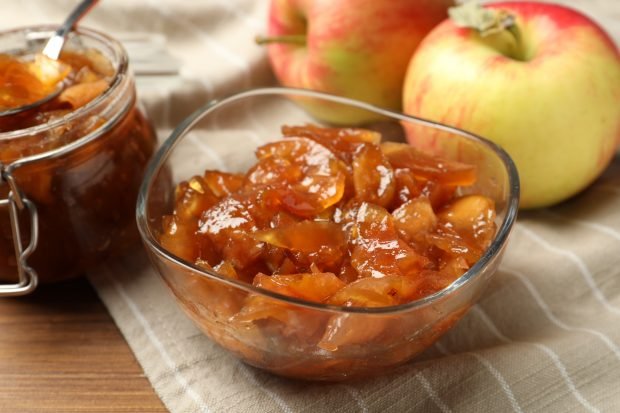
column 354, row 48
column 556, row 112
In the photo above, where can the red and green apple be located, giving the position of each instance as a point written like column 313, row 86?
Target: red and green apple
column 546, row 87
column 354, row 48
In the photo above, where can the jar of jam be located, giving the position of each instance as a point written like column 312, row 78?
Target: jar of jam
column 70, row 169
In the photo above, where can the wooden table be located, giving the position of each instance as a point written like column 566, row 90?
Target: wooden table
column 60, row 351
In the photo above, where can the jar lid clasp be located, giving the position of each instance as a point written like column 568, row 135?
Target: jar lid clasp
column 17, row 203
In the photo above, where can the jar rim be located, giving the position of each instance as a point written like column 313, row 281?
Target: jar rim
column 121, row 63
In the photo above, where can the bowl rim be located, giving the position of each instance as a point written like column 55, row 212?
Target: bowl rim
column 156, row 162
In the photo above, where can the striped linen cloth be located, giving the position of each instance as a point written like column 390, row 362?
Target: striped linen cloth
column 545, row 337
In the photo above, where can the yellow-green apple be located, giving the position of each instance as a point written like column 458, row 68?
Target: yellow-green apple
column 547, row 89
column 353, row 48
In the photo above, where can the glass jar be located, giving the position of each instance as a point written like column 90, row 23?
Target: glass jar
column 68, row 187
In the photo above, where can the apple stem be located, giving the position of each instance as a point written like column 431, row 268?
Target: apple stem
column 297, row 39
column 508, row 23
column 513, row 29
column 489, row 22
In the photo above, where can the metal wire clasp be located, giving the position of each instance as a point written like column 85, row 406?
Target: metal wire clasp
column 17, row 203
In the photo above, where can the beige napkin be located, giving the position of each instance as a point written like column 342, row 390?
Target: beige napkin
column 545, row 337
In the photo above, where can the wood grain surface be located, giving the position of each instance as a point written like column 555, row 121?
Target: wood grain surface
column 61, row 352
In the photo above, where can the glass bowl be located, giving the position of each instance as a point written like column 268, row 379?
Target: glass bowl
column 224, row 135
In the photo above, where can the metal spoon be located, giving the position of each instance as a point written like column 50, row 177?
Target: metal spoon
column 52, row 50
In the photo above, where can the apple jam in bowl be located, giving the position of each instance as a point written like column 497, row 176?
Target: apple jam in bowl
column 322, row 252
column 70, row 169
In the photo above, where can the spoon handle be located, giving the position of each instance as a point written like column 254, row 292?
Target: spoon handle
column 55, row 44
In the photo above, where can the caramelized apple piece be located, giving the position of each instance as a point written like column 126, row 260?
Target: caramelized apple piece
column 292, row 321
column 312, row 196
column 80, row 94
column 229, row 225
column 415, row 219
column 287, row 267
column 343, row 142
column 277, row 319
column 427, row 167
column 227, row 269
column 283, row 219
column 305, row 236
column 438, row 194
column 180, row 238
column 377, row 249
column 466, row 228
column 454, row 245
column 434, row 281
column 309, row 242
column 307, row 176
column 376, row 292
column 275, row 171
column 348, row 274
column 177, row 237
column 406, row 187
column 86, row 75
column 273, row 257
column 472, row 216
column 350, row 329
column 312, row 287
column 221, row 300
column 300, row 151
column 373, row 177
column 193, row 198
column 222, row 184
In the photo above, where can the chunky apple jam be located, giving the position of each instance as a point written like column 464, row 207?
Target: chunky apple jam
column 79, row 157
column 333, row 216
column 28, row 79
